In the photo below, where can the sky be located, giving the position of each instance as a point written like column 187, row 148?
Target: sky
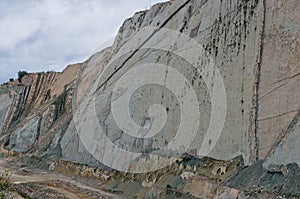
column 46, row 35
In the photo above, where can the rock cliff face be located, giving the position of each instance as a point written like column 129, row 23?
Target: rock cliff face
column 252, row 46
column 37, row 109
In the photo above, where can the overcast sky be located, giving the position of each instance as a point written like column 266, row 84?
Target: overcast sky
column 42, row 35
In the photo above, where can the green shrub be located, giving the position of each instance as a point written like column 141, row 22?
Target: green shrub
column 21, row 74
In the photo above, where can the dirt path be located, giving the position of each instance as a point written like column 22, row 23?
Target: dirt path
column 57, row 182
column 63, row 191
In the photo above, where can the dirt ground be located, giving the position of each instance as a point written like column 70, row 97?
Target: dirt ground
column 35, row 183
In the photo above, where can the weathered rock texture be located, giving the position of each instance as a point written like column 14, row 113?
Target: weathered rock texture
column 36, row 110
column 278, row 94
column 254, row 45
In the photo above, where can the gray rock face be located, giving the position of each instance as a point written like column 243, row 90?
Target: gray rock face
column 231, row 35
column 23, row 138
column 278, row 94
column 54, row 147
column 5, row 102
column 186, row 79
column 280, row 182
column 72, row 149
column 287, row 151
column 209, row 78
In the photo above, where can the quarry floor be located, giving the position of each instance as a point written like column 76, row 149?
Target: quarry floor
column 35, row 183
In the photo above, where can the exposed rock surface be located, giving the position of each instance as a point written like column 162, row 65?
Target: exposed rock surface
column 279, row 180
column 278, row 94
column 253, row 46
column 287, row 151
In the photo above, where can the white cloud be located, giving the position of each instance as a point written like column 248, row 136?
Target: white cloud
column 49, row 34
column 15, row 29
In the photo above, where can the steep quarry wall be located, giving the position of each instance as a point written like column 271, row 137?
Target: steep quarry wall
column 279, row 95
column 230, row 31
column 36, row 109
column 252, row 46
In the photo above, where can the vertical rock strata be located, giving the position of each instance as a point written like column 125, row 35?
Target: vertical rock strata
column 254, row 44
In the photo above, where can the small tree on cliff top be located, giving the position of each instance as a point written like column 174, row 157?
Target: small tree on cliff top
column 21, row 74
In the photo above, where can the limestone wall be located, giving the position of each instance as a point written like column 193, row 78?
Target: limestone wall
column 253, row 45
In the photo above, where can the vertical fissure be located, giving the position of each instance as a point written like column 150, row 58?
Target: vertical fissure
column 135, row 51
column 255, row 154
